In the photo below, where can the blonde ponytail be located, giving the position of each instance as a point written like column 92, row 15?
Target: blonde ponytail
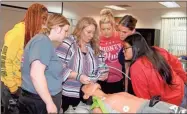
column 45, row 30
column 106, row 12
column 106, row 16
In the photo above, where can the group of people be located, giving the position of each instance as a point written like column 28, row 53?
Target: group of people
column 46, row 79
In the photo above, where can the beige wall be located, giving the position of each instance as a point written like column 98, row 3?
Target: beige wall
column 152, row 18
column 9, row 17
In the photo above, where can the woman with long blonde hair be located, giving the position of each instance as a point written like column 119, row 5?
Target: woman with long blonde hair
column 81, row 57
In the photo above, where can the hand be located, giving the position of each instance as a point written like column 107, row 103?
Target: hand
column 84, row 79
column 51, row 108
column 103, row 77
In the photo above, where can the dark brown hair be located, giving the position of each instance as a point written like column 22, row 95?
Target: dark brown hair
column 128, row 21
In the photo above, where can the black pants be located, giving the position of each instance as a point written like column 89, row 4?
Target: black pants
column 30, row 103
column 67, row 101
column 9, row 103
column 110, row 88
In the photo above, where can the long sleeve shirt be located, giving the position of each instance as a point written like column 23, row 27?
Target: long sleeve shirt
column 11, row 55
column 74, row 60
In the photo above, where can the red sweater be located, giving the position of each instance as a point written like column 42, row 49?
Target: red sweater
column 111, row 47
column 147, row 82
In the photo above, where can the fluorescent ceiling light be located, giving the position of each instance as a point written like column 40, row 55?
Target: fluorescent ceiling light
column 170, row 4
column 115, row 7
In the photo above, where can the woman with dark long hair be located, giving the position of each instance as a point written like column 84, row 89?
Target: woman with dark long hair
column 126, row 27
column 154, row 71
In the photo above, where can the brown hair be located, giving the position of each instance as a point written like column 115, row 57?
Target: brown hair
column 128, row 21
column 106, row 16
column 53, row 20
column 33, row 20
column 82, row 23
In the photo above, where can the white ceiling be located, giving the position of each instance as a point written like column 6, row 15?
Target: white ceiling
column 86, row 0
column 134, row 5
column 93, row 7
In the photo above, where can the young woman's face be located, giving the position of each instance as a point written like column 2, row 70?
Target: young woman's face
column 63, row 32
column 124, row 32
column 127, row 50
column 106, row 29
column 88, row 33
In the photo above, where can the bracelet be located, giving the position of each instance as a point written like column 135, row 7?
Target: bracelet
column 78, row 76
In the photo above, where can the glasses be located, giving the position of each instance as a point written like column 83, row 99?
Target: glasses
column 125, row 49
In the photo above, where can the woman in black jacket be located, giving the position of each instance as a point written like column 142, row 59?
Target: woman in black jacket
column 126, row 27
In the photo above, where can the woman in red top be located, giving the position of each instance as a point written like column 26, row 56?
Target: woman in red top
column 110, row 44
column 153, row 71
